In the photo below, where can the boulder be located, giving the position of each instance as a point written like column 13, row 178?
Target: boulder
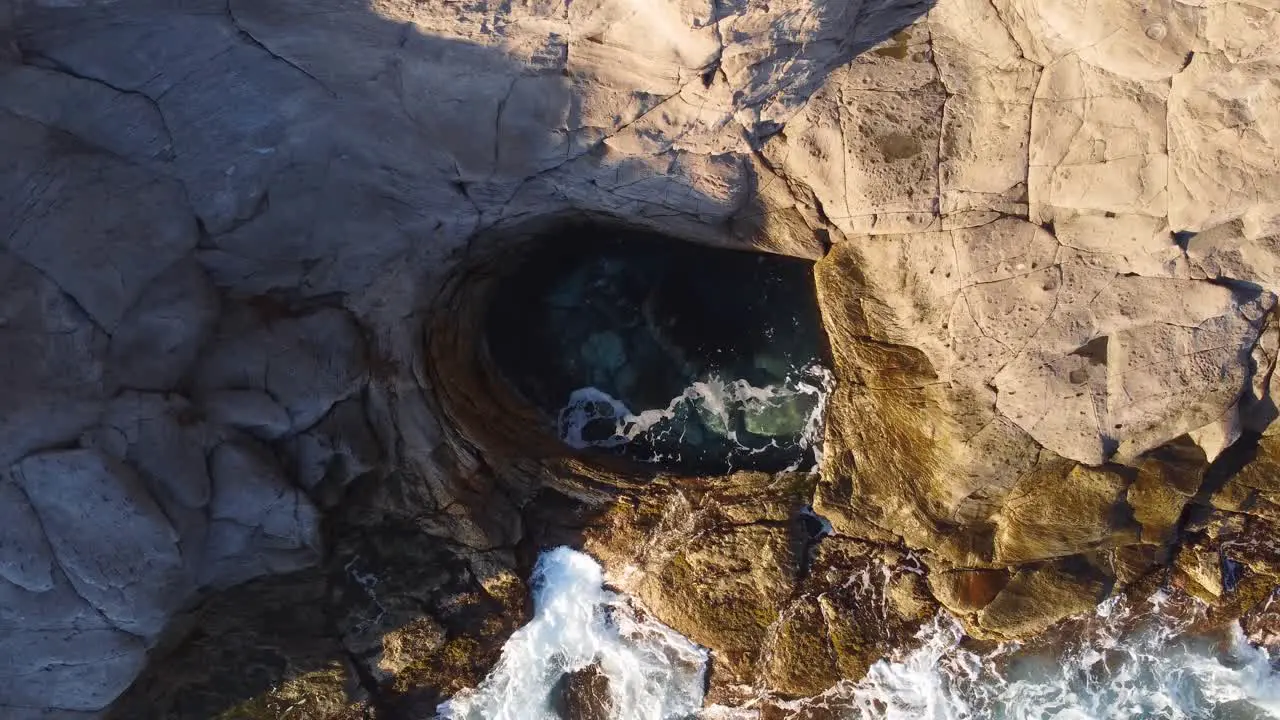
column 259, row 523
column 1063, row 509
column 25, row 557
column 156, row 342
column 1036, row 598
column 306, row 364
column 53, row 383
column 963, row 592
column 139, row 578
column 582, row 695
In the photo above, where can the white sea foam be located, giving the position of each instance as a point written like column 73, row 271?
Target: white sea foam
column 1132, row 664
column 654, row 673
column 1128, row 663
column 714, row 399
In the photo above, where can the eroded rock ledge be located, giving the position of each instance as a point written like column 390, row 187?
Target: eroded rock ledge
column 241, row 244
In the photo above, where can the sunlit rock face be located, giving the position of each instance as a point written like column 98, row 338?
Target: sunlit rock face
column 666, row 352
column 244, row 249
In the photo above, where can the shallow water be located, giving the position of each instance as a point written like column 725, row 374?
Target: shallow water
column 1127, row 663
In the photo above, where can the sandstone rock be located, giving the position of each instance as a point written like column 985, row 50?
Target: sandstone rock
column 156, row 342
column 53, row 372
column 1205, row 571
column 1063, row 509
column 25, row 557
column 582, row 695
column 253, row 411
column 86, row 669
column 306, row 363
column 855, row 604
column 339, row 449
column 1010, row 190
column 419, row 619
column 1167, row 479
column 1036, row 598
column 967, row 591
column 1098, row 142
column 1211, row 102
column 259, row 523
column 1255, row 489
column 81, row 496
column 124, row 124
column 86, row 226
column 725, row 589
column 163, row 437
column 262, row 651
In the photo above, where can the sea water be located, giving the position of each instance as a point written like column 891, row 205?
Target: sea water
column 1128, row 663
column 653, row 672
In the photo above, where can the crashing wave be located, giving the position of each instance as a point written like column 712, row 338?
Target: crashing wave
column 654, row 673
column 747, row 419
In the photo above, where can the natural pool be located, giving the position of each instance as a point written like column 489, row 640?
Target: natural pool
column 694, row 358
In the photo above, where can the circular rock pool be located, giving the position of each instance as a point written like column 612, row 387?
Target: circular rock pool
column 692, row 358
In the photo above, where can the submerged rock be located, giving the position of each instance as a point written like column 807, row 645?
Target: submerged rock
column 582, row 695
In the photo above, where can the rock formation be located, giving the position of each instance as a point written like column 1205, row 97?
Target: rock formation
column 245, row 250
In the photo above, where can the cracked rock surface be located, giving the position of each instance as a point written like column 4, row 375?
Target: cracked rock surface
column 241, row 259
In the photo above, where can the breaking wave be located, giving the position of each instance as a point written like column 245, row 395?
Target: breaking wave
column 653, row 672
column 1130, row 664
column 728, row 418
column 1123, row 663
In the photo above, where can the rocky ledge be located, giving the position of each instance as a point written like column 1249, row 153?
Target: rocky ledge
column 255, row 458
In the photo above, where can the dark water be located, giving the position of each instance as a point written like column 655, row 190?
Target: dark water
column 694, row 358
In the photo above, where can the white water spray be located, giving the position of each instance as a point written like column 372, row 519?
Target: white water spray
column 1127, row 664
column 713, row 399
column 654, row 673
column 1131, row 665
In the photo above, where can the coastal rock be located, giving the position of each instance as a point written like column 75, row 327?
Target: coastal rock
column 1037, row 598
column 139, row 578
column 245, row 250
column 582, row 695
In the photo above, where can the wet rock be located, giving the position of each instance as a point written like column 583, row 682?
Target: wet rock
column 420, row 620
column 582, row 695
column 856, row 604
column 716, row 561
